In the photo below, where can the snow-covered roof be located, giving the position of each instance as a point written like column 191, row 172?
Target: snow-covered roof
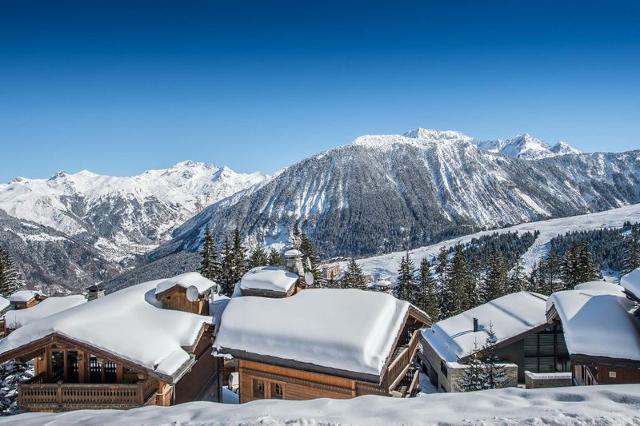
column 350, row 330
column 631, row 282
column 23, row 296
column 604, row 286
column 129, row 323
column 598, row 323
column 510, row 315
column 51, row 305
column 4, row 303
column 185, row 281
column 270, row 278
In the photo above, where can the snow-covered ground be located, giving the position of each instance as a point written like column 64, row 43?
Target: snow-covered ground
column 594, row 405
column 386, row 266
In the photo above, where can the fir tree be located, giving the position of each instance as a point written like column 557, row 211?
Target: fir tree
column 209, row 263
column 475, row 288
column 495, row 374
column 474, row 376
column 458, row 283
column 442, row 261
column 258, row 257
column 274, row 258
column 632, row 251
column 587, row 269
column 496, row 279
column 425, row 298
column 227, row 276
column 353, row 277
column 517, row 279
column 406, row 286
column 10, row 280
column 238, row 257
column 551, row 270
column 569, row 269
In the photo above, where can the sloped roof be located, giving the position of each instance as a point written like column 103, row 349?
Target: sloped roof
column 349, row 330
column 269, row 278
column 129, row 323
column 598, row 323
column 4, row 303
column 186, row 280
column 631, row 283
column 510, row 316
column 51, row 305
column 22, row 296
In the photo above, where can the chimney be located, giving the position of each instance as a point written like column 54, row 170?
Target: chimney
column 293, row 261
column 475, row 325
column 94, row 292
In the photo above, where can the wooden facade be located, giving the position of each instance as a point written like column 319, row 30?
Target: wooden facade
column 29, row 303
column 72, row 375
column 175, row 298
column 272, row 378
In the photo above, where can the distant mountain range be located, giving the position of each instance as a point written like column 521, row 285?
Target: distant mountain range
column 379, row 194
column 72, row 230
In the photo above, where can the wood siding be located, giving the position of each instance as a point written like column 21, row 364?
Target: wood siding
column 175, row 299
column 586, row 375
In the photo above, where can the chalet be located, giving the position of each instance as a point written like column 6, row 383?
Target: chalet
column 131, row 348
column 269, row 281
column 601, row 331
column 321, row 343
column 23, row 299
column 523, row 340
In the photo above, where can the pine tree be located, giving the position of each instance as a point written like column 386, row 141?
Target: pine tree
column 258, row 257
column 475, row 289
column 10, row 280
column 209, row 263
column 311, row 256
column 226, row 274
column 551, row 272
column 425, row 297
column 473, row 378
column 632, row 251
column 587, row 269
column 496, row 279
column 353, row 277
column 495, row 374
column 274, row 258
column 517, row 279
column 406, row 286
column 458, row 283
column 238, row 258
column 442, row 261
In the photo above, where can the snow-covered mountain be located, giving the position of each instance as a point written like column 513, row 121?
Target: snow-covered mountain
column 384, row 192
column 114, row 218
column 526, row 147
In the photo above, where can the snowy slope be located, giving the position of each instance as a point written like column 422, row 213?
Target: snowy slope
column 386, row 266
column 110, row 218
column 592, row 405
column 382, row 192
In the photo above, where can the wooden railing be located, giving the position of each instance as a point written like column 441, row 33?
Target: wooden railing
column 398, row 366
column 34, row 396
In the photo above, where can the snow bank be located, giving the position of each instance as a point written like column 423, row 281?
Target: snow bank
column 598, row 323
column 595, row 405
column 128, row 323
column 351, row 330
column 631, row 282
column 185, row 281
column 51, row 305
column 271, row 278
column 23, row 296
column 511, row 315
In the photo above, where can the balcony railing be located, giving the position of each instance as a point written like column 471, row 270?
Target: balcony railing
column 401, row 363
column 38, row 396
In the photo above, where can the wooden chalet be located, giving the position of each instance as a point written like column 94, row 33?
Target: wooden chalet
column 24, row 299
column 602, row 333
column 124, row 350
column 524, row 341
column 322, row 343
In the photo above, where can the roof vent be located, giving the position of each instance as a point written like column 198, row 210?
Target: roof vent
column 475, row 325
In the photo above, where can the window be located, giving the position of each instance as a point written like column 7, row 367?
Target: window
column 258, row 388
column 276, row 391
column 612, row 374
column 443, row 368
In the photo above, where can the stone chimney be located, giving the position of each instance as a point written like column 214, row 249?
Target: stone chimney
column 94, row 292
column 293, row 261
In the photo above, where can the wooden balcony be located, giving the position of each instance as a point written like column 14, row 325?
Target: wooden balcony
column 402, row 361
column 36, row 395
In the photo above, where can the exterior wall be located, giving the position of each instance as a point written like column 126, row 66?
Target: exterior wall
column 586, row 375
column 295, row 384
column 550, row 380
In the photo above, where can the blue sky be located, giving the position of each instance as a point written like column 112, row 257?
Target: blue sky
column 118, row 87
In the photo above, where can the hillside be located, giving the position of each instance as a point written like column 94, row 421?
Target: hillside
column 386, row 266
column 384, row 192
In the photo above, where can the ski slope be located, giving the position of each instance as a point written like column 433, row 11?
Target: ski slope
column 385, row 267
